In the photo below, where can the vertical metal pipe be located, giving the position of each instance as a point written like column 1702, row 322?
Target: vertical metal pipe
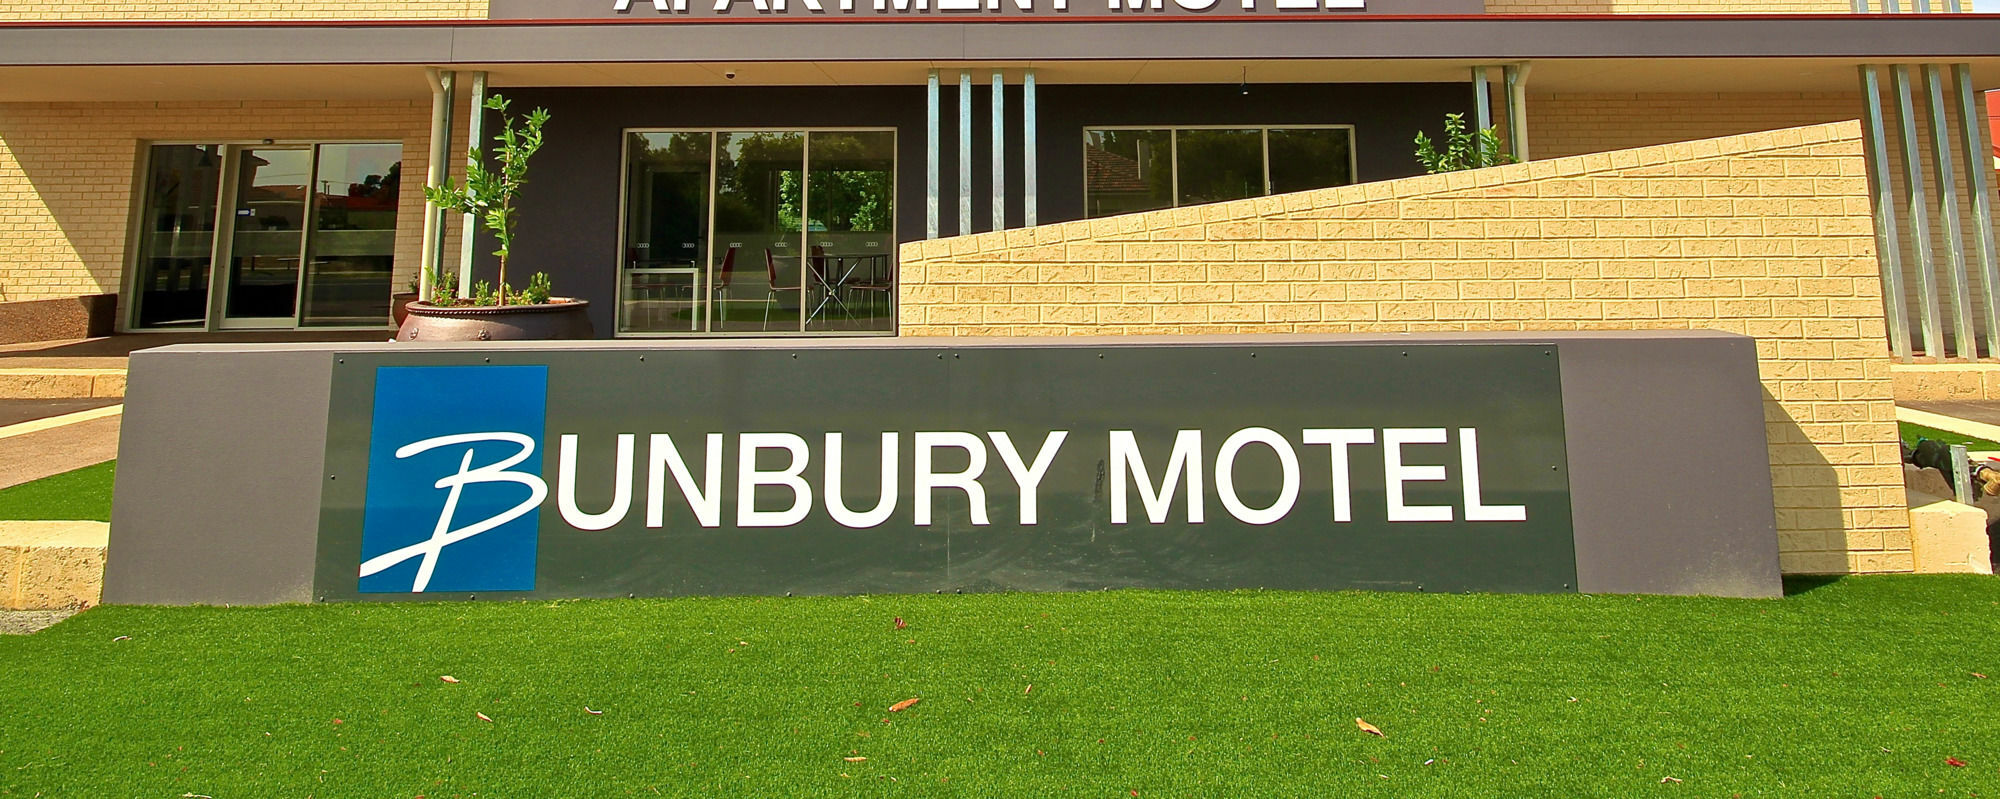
column 1482, row 100
column 1947, row 209
column 475, row 131
column 1920, row 225
column 932, row 156
column 999, row 151
column 1516, row 76
column 1889, row 250
column 1029, row 188
column 434, row 175
column 964, row 153
column 1978, row 170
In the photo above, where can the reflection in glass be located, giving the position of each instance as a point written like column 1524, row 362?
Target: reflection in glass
column 177, row 234
column 666, row 232
column 759, row 194
column 1310, row 158
column 850, row 232
column 352, row 249
column 269, row 223
column 1218, row 165
column 1127, row 170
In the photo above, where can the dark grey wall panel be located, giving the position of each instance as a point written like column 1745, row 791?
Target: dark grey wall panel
column 1676, row 442
column 569, row 212
column 217, row 494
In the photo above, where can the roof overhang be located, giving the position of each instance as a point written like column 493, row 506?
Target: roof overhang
column 1572, row 53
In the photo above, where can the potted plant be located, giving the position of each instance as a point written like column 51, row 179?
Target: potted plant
column 399, row 303
column 1463, row 149
column 495, row 312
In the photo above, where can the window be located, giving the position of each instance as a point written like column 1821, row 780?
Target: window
column 1142, row 169
column 758, row 231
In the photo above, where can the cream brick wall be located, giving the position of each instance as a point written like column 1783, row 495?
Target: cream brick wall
column 246, row 10
column 68, row 172
column 1766, row 234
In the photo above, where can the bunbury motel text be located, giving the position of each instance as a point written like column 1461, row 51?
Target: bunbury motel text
column 1773, row 168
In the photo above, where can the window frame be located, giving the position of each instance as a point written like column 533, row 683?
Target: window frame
column 1174, row 156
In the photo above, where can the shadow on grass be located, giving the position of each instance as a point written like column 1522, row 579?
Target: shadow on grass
column 1805, row 584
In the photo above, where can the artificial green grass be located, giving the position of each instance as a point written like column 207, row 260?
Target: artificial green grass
column 1912, row 432
column 80, row 495
column 1856, row 688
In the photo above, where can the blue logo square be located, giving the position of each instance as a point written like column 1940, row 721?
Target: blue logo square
column 454, row 479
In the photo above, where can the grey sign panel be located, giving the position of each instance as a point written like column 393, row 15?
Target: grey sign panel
column 972, row 10
column 1471, row 434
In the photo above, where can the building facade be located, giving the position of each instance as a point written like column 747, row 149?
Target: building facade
column 1047, row 167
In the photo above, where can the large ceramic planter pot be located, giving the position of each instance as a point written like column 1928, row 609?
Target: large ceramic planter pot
column 560, row 319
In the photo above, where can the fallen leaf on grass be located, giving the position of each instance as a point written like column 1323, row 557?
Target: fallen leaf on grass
column 338, row 721
column 899, row 623
column 1370, row 728
column 854, row 759
column 121, row 638
column 586, row 709
column 1980, row 676
column 482, row 716
column 905, row 704
column 450, row 679
column 1665, row 780
column 1954, row 762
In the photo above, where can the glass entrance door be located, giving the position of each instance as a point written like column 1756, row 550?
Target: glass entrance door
column 758, row 232
column 267, row 237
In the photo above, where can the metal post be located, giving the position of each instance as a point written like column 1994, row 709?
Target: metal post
column 999, row 151
column 964, row 153
column 1889, row 250
column 1954, row 237
column 435, row 175
column 475, row 131
column 1972, row 136
column 1516, row 76
column 932, row 155
column 1920, row 224
column 1482, row 100
column 1028, row 155
column 1961, row 474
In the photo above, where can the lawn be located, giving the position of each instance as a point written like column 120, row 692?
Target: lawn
column 1852, row 688
column 80, row 495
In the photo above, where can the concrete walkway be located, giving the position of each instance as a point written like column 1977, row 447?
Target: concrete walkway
column 51, row 446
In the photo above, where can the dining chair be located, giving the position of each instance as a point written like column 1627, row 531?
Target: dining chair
column 771, row 297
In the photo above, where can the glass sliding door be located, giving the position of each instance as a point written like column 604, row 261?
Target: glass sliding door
column 663, row 280
column 761, row 231
column 351, row 247
column 267, row 237
column 851, row 230
column 759, row 205
column 176, row 247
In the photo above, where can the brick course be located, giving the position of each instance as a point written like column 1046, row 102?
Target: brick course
column 1765, row 234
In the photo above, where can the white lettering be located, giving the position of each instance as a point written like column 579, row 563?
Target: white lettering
column 836, row 505
column 658, row 5
column 1340, row 438
column 1135, row 5
column 903, row 5
column 968, row 480
column 722, row 6
column 662, row 457
column 748, row 478
column 1476, row 509
column 1029, row 478
column 1225, row 475
column 958, row 5
column 1185, row 460
column 443, row 535
column 1195, row 5
column 621, row 490
column 1397, row 474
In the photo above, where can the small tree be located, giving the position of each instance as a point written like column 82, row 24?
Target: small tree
column 1463, row 149
column 489, row 193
